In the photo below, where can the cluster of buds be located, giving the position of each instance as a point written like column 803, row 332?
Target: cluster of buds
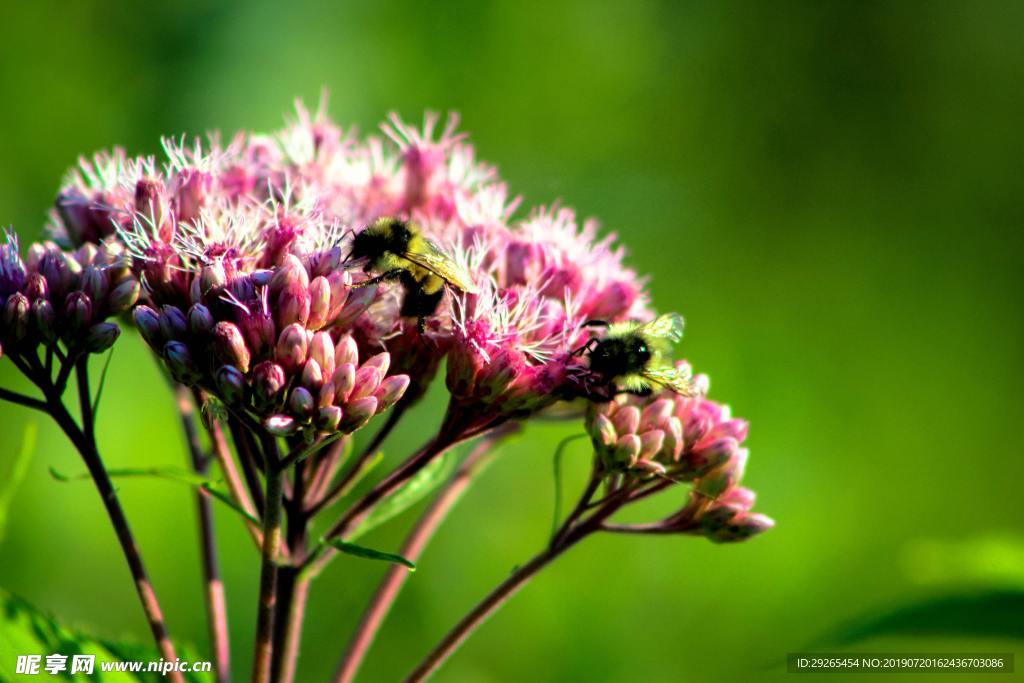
column 54, row 296
column 681, row 440
column 290, row 364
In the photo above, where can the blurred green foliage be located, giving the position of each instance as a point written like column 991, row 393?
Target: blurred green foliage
column 830, row 192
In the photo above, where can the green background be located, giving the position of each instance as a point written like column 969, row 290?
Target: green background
column 831, row 194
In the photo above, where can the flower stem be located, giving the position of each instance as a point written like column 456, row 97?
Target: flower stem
column 393, row 581
column 268, row 570
column 216, row 606
column 292, row 635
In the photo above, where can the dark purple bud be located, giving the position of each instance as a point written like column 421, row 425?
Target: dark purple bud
column 12, row 268
column 262, row 277
column 200, row 320
column 94, row 283
column 45, row 319
column 180, row 363
column 173, row 323
column 319, row 302
column 35, row 287
column 300, row 402
column 101, row 337
column 268, row 379
column 16, row 316
column 78, row 310
column 291, row 348
column 54, row 267
column 124, row 296
column 230, row 383
column 148, row 322
column 230, row 346
column 328, row 418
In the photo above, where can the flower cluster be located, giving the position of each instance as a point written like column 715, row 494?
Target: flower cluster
column 289, row 364
column 58, row 296
column 686, row 440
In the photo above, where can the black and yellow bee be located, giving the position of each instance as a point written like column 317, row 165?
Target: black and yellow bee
column 397, row 249
column 634, row 356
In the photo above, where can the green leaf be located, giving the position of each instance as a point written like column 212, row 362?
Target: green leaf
column 171, row 474
column 19, row 466
column 103, row 382
column 987, row 614
column 410, row 493
column 27, row 630
column 369, row 553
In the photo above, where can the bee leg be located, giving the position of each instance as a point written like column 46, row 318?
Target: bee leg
column 595, row 323
column 589, row 346
column 421, row 324
column 646, row 391
column 390, row 275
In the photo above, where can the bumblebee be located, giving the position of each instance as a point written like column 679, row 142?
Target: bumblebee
column 397, row 250
column 634, row 355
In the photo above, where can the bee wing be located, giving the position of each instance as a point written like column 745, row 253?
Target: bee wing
column 672, row 378
column 431, row 257
column 668, row 326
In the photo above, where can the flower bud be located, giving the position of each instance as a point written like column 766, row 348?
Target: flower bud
column 173, row 323
column 291, row 348
column 651, row 443
column 200, row 320
column 626, row 420
column 344, row 380
column 627, row 450
column 367, row 380
column 293, row 305
column 94, row 283
column 358, row 413
column 380, row 360
column 12, row 268
column 290, row 272
column 346, row 352
column 603, row 431
column 78, row 310
column 124, row 296
column 340, row 283
column 151, row 203
column 148, row 322
column 280, row 425
column 720, row 479
column 230, row 346
column 16, row 316
column 300, row 402
column 391, row 391
column 312, row 376
column 356, row 304
column 230, row 383
column 179, row 361
column 319, row 302
column 45, row 319
column 36, row 287
column 673, row 430
column 741, row 528
column 101, row 337
column 321, row 349
column 268, row 379
column 328, row 418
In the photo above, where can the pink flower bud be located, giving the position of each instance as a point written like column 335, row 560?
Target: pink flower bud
column 328, row 418
column 340, row 282
column 367, row 380
column 319, row 302
column 391, row 391
column 358, row 413
column 101, row 337
column 345, row 381
column 720, row 479
column 356, row 304
column 191, row 189
column 673, row 429
column 603, row 431
column 651, row 443
column 655, row 414
column 230, row 346
column 627, row 450
column 380, row 360
column 151, row 202
column 293, row 305
column 268, row 379
column 346, row 352
column 312, row 376
column 626, row 419
column 325, row 396
column 291, row 348
column 741, row 528
column 321, row 349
